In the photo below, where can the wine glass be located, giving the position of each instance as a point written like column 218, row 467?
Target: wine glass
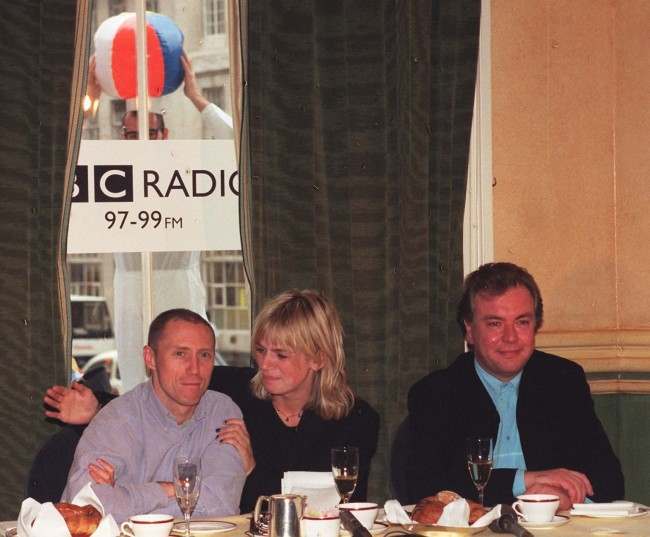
column 345, row 467
column 187, row 484
column 479, row 462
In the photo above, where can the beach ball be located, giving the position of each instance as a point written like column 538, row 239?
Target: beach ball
column 115, row 55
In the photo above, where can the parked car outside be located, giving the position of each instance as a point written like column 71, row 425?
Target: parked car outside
column 92, row 329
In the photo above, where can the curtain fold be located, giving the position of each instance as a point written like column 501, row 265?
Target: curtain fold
column 40, row 93
column 238, row 40
column 359, row 118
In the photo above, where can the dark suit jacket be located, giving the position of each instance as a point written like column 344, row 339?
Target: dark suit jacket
column 555, row 416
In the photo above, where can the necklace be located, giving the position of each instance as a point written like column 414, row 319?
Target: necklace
column 286, row 417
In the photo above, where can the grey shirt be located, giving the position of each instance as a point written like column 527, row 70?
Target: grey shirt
column 140, row 438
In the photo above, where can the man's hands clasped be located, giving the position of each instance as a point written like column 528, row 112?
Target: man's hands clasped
column 571, row 486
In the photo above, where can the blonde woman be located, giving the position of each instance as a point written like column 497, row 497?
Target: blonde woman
column 296, row 403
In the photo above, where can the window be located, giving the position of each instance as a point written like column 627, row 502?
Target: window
column 90, row 129
column 217, row 276
column 225, row 282
column 86, row 274
column 216, row 95
column 214, row 17
column 115, row 7
column 118, row 109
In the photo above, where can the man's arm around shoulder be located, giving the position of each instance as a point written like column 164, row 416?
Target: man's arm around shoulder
column 222, row 469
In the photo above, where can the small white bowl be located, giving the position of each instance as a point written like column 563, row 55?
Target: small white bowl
column 365, row 512
column 320, row 527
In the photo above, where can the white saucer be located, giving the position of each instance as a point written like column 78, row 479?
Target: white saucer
column 558, row 520
column 378, row 527
column 203, row 527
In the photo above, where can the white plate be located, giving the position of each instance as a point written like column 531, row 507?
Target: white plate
column 641, row 511
column 435, row 529
column 202, row 527
column 558, row 520
column 378, row 527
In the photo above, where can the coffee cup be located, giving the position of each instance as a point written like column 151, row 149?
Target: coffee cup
column 364, row 512
column 151, row 525
column 326, row 526
column 536, row 507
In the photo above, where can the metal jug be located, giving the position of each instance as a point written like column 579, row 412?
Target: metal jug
column 284, row 514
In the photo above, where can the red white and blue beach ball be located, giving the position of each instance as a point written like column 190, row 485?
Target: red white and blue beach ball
column 115, row 55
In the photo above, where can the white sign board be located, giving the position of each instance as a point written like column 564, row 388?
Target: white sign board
column 155, row 196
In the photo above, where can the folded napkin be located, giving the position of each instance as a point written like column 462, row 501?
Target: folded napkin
column 454, row 514
column 611, row 509
column 43, row 520
column 395, row 513
column 318, row 487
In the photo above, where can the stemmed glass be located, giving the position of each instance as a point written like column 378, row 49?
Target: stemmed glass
column 187, row 485
column 479, row 462
column 345, row 467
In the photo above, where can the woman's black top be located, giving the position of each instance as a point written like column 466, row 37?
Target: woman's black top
column 278, row 448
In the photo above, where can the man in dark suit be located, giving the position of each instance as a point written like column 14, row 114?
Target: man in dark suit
column 536, row 407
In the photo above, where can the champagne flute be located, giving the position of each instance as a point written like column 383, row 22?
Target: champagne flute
column 187, row 484
column 479, row 462
column 345, row 467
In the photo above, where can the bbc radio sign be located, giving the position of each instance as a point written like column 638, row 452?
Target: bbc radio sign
column 155, row 196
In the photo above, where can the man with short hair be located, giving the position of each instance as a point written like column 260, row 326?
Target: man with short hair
column 537, row 407
column 128, row 450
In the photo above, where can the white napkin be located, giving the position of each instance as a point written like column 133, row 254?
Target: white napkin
column 43, row 520
column 604, row 509
column 318, row 487
column 395, row 513
column 454, row 514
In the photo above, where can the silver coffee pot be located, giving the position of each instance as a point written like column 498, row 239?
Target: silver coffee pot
column 282, row 516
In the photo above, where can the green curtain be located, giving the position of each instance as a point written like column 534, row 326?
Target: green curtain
column 356, row 150
column 37, row 82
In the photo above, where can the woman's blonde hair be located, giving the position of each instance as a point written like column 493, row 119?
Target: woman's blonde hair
column 305, row 321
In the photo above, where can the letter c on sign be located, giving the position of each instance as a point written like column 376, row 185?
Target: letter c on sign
column 104, row 179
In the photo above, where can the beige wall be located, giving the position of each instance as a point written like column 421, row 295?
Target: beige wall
column 571, row 124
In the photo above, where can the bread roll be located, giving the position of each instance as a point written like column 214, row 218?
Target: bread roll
column 429, row 509
column 476, row 511
column 82, row 521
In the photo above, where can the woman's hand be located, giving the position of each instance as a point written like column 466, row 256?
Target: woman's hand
column 102, row 472
column 234, row 432
column 76, row 405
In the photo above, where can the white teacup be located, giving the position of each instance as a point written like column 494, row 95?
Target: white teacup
column 365, row 512
column 327, row 526
column 151, row 525
column 536, row 507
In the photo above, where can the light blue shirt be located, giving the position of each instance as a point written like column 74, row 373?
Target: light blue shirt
column 507, row 450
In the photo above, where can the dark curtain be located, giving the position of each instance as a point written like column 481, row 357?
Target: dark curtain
column 36, row 85
column 359, row 125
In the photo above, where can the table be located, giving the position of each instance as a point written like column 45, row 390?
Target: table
column 576, row 527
